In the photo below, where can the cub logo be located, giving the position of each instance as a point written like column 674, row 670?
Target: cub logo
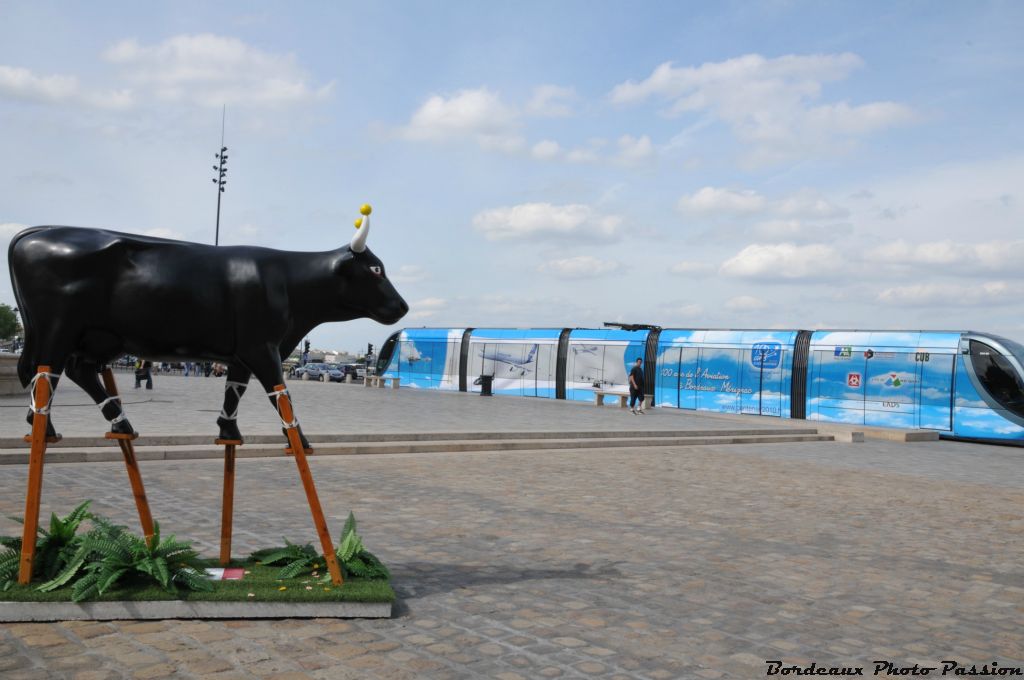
column 853, row 379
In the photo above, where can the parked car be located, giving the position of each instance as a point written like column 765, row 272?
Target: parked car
column 357, row 371
column 318, row 371
column 331, row 373
column 310, row 371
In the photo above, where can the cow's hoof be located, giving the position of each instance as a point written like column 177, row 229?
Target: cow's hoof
column 30, row 418
column 123, row 427
column 51, row 433
column 229, row 430
column 302, row 438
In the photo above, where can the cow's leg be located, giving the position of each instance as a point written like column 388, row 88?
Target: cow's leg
column 53, row 376
column 234, row 388
column 53, row 349
column 85, row 374
column 42, row 397
column 267, row 369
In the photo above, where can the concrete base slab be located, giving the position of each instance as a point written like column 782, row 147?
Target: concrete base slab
column 177, row 609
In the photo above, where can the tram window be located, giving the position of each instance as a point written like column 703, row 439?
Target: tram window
column 998, row 376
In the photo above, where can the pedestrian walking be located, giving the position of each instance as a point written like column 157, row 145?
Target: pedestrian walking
column 144, row 371
column 636, row 387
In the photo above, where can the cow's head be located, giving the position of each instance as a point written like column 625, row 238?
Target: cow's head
column 367, row 288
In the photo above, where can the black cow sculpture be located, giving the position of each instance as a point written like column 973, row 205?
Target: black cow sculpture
column 87, row 296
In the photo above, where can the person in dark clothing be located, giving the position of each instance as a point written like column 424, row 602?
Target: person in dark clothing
column 636, row 386
column 144, row 371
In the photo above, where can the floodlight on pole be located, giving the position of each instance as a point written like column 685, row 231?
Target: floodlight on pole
column 222, row 170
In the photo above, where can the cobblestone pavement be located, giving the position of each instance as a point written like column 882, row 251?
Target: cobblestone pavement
column 689, row 562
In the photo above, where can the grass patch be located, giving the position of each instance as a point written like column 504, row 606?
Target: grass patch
column 261, row 581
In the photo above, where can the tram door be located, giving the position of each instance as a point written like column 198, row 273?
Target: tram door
column 540, row 381
column 666, row 389
column 935, row 393
column 677, row 377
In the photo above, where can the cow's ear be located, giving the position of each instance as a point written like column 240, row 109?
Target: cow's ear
column 339, row 263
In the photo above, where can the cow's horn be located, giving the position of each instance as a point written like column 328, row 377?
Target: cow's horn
column 358, row 243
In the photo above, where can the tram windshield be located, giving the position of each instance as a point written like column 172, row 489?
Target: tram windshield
column 999, row 377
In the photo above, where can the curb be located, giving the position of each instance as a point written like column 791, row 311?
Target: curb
column 151, row 453
column 177, row 609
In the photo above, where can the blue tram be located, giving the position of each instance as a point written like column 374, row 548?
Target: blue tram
column 963, row 384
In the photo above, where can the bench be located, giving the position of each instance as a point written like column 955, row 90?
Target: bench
column 599, row 396
column 381, row 381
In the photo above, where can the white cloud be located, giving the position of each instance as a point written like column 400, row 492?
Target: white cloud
column 952, row 294
column 690, row 268
column 808, row 204
column 953, row 257
column 475, row 114
column 21, row 83
column 9, row 229
column 427, row 307
column 582, row 155
column 797, row 230
column 745, row 303
column 408, row 273
column 721, row 201
column 501, row 143
column 551, row 101
column 784, row 261
column 635, row 149
column 681, row 310
column 769, row 103
column 163, row 232
column 579, row 267
column 211, row 70
column 543, row 220
column 546, row 150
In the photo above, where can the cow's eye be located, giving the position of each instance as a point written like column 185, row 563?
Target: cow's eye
column 375, row 269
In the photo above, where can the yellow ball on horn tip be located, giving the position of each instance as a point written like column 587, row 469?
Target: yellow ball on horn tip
column 365, row 209
column 359, row 222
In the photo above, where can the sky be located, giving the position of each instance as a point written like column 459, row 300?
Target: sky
column 767, row 164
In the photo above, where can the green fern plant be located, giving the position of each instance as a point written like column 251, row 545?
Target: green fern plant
column 355, row 560
column 296, row 558
column 10, row 559
column 55, row 548
column 109, row 555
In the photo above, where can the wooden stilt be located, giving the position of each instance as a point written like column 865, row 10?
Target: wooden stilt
column 227, row 504
column 284, row 407
column 40, row 417
column 130, row 462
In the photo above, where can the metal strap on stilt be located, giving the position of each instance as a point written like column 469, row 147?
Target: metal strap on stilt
column 45, row 410
column 276, row 396
column 238, row 388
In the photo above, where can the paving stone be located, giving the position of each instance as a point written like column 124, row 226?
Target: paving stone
column 160, row 670
column 591, row 667
column 88, row 675
column 24, row 674
column 209, row 666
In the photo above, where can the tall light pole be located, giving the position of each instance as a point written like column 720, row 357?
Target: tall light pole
column 222, row 170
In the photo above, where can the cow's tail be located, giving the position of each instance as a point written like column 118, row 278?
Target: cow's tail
column 27, row 361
